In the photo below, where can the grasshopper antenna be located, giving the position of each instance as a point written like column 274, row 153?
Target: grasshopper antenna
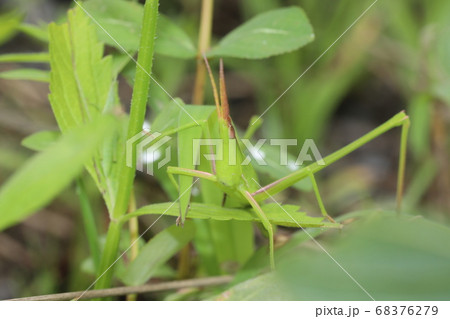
column 224, row 102
column 213, row 83
column 223, row 94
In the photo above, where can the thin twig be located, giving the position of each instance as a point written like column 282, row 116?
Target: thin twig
column 120, row 291
column 204, row 39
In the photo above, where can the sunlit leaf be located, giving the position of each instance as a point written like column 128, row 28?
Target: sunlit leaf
column 270, row 33
column 40, row 140
column 49, row 172
column 82, row 87
column 81, row 78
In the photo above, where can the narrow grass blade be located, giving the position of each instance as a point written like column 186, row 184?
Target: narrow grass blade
column 25, row 58
column 157, row 252
column 40, row 140
column 26, row 74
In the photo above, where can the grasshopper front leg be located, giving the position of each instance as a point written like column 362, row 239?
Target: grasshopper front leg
column 171, row 171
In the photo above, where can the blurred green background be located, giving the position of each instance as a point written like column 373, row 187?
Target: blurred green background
column 397, row 56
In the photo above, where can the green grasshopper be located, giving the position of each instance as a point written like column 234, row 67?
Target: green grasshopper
column 240, row 182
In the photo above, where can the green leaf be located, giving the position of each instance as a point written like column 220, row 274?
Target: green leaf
column 80, row 77
column 122, row 20
column 391, row 257
column 8, row 25
column 26, row 74
column 25, row 57
column 274, row 213
column 440, row 89
column 186, row 157
column 233, row 242
column 157, row 252
column 49, row 172
column 40, row 140
column 82, row 87
column 420, row 183
column 89, row 224
column 268, row 34
column 167, row 118
column 187, row 153
column 420, row 113
column 439, row 65
column 259, row 263
column 205, row 247
column 173, row 41
column 264, row 287
column 441, row 48
column 120, row 62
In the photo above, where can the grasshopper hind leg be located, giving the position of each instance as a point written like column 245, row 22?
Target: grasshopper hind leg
column 319, row 198
column 266, row 223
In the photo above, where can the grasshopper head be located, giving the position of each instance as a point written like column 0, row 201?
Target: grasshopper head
column 228, row 170
column 222, row 106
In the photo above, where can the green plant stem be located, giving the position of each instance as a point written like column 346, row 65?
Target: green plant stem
column 109, row 256
column 89, row 223
column 204, row 41
column 137, row 115
column 138, row 101
column 133, row 226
